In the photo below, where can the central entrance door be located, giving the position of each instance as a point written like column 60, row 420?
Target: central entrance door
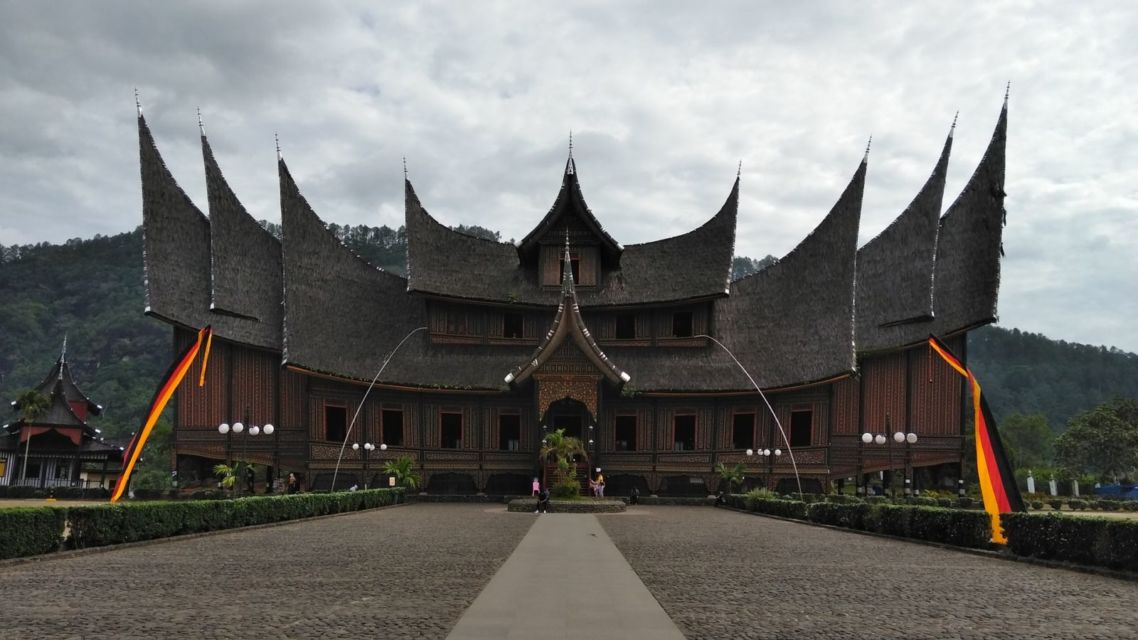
column 570, row 415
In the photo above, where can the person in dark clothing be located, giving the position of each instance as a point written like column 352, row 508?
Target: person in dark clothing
column 634, row 496
column 542, row 501
column 293, row 484
column 250, row 479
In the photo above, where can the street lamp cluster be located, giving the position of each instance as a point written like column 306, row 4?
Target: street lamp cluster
column 899, row 437
column 770, row 456
column 238, row 428
column 365, row 449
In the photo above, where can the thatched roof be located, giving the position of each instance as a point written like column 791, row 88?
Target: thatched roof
column 793, row 322
column 245, row 263
column 969, row 244
column 60, row 376
column 690, row 266
column 176, row 253
column 570, row 203
column 568, row 325
column 895, row 270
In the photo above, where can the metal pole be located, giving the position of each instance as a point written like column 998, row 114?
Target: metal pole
column 27, row 447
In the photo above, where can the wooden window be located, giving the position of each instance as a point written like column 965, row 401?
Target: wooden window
column 509, row 432
column 626, row 326
column 575, row 262
column 335, row 423
column 682, row 324
column 457, row 322
column 392, row 427
column 3, row 467
column 62, row 470
column 31, row 470
column 626, row 433
column 511, row 325
column 801, row 427
column 684, row 432
column 450, row 436
column 743, row 431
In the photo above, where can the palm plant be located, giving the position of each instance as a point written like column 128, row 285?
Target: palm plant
column 729, row 477
column 226, row 474
column 32, row 404
column 561, row 450
column 403, row 470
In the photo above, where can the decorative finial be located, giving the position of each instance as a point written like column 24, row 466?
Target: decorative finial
column 63, row 353
column 867, row 146
column 567, row 239
column 404, row 167
column 137, row 102
column 739, row 171
column 201, row 126
column 952, row 129
column 1007, row 92
column 277, row 140
column 570, row 143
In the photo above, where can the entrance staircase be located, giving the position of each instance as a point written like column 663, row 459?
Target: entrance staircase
column 582, row 475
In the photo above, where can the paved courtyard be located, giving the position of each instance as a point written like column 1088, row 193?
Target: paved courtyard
column 411, row 572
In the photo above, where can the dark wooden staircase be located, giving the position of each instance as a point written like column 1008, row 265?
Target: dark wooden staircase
column 582, row 476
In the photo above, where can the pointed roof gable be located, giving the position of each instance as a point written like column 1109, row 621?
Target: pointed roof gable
column 568, row 324
column 793, row 322
column 60, row 376
column 341, row 313
column 176, row 242
column 570, row 203
column 245, row 260
column 176, row 255
column 969, row 244
column 895, row 269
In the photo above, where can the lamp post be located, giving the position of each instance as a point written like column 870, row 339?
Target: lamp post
column 238, row 428
column 365, row 450
column 770, row 456
column 899, row 437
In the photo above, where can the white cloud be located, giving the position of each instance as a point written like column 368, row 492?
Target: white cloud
column 663, row 98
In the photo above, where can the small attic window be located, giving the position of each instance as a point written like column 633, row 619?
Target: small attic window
column 626, row 326
column 575, row 262
column 682, row 324
column 512, row 325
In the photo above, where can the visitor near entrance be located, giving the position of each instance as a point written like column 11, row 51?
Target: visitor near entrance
column 542, row 501
column 599, row 484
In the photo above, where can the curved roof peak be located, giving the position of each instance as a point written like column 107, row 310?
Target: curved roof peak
column 570, row 202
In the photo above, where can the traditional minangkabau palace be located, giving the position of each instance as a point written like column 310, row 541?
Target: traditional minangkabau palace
column 632, row 348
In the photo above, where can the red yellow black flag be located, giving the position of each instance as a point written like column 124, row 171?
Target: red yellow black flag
column 997, row 483
column 162, row 396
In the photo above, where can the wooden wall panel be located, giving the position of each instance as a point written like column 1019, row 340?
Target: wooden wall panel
column 845, row 408
column 936, row 404
column 883, row 380
column 203, row 408
column 254, row 386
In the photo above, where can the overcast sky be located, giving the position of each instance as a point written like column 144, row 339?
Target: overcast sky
column 663, row 99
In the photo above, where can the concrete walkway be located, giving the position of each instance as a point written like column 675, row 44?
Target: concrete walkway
column 566, row 579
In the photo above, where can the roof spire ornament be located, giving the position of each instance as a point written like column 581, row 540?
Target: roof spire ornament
column 739, row 171
column 1007, row 92
column 63, row 352
column 952, row 129
column 137, row 103
column 201, row 126
column 570, row 143
column 867, row 146
column 404, row 167
column 277, row 140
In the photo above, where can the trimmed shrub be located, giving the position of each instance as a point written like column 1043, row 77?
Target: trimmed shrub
column 964, row 502
column 30, row 531
column 1077, row 504
column 1089, row 541
column 1037, row 504
column 1055, row 504
column 839, row 498
column 945, row 503
column 118, row 523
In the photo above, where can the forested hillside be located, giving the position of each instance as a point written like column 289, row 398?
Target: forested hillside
column 92, row 292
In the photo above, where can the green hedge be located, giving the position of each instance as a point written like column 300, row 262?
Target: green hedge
column 30, row 531
column 1090, row 541
column 118, row 523
column 950, row 526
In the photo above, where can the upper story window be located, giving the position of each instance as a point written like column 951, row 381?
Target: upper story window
column 625, row 326
column 575, row 262
column 512, row 324
column 684, row 432
column 335, row 423
column 801, row 427
column 682, row 324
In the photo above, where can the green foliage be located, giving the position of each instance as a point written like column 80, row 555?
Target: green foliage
column 730, row 478
column 1103, row 440
column 130, row 522
column 1088, row 541
column 30, row 531
column 742, row 266
column 562, row 450
column 226, row 475
column 32, row 404
column 1028, row 439
column 403, row 469
column 1028, row 374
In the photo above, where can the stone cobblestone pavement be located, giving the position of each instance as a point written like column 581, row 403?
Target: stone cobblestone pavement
column 407, row 572
column 724, row 574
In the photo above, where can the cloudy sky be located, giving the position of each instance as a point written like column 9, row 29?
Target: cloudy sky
column 663, row 99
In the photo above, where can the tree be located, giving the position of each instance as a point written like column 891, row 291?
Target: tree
column 479, row 232
column 729, row 477
column 1103, row 441
column 562, row 450
column 32, row 404
column 403, row 470
column 742, row 266
column 1029, row 439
